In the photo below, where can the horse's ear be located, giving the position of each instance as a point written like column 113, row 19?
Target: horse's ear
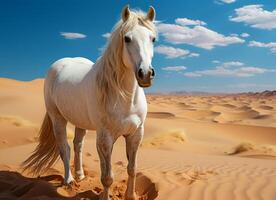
column 125, row 13
column 151, row 14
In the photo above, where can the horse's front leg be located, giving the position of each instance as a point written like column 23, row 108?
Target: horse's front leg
column 132, row 144
column 105, row 143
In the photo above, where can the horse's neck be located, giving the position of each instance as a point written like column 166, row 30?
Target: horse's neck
column 130, row 87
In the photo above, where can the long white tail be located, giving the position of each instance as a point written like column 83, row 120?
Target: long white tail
column 46, row 152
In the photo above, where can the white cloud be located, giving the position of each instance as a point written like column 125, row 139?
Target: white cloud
column 230, row 69
column 192, row 74
column 174, row 68
column 193, row 55
column 234, row 35
column 231, row 64
column 270, row 45
column 197, row 35
column 72, row 36
column 216, row 61
column 187, row 22
column 106, row 35
column 172, row 52
column 255, row 16
column 226, row 1
column 245, row 35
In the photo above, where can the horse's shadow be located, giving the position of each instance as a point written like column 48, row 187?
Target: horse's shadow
column 15, row 186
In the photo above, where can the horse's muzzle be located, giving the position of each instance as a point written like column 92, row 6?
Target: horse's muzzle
column 145, row 77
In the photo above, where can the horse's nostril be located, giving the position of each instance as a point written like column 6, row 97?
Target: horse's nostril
column 140, row 74
column 152, row 72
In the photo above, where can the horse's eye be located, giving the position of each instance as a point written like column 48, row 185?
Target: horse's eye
column 153, row 39
column 127, row 39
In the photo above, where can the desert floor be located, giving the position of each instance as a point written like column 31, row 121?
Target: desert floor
column 195, row 147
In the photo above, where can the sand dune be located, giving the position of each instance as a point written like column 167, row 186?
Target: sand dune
column 16, row 131
column 199, row 114
column 266, row 107
column 253, row 150
column 160, row 115
column 194, row 147
column 16, row 121
column 165, row 140
column 236, row 116
column 228, row 109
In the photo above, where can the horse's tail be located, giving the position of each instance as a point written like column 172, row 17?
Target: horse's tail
column 46, row 152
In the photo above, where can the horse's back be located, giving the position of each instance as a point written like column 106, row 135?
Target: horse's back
column 75, row 60
column 68, row 68
column 68, row 71
column 67, row 87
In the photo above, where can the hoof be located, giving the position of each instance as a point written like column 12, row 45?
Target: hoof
column 68, row 182
column 73, row 184
column 103, row 196
column 130, row 197
column 80, row 177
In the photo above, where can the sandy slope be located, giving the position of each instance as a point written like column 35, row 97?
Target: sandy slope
column 194, row 148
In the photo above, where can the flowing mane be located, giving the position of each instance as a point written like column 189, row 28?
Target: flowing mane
column 111, row 73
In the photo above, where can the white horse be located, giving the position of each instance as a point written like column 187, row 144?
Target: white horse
column 107, row 96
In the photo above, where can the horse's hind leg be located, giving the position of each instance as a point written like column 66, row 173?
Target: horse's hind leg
column 132, row 144
column 59, row 126
column 78, row 144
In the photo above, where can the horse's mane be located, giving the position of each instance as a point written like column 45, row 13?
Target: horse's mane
column 112, row 71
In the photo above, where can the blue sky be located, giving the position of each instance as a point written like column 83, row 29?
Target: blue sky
column 210, row 45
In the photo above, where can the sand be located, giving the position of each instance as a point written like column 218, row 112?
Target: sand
column 195, row 147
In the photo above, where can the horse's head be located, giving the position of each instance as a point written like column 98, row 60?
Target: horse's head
column 138, row 45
